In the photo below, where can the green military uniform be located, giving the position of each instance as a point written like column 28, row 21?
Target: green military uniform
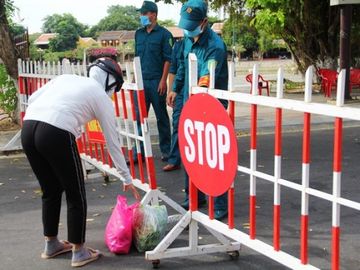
column 209, row 49
column 154, row 49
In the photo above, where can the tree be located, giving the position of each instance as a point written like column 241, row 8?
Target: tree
column 238, row 32
column 309, row 28
column 118, row 18
column 55, row 24
column 7, row 47
column 68, row 30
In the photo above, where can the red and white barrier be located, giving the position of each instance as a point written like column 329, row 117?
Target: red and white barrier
column 92, row 145
column 229, row 231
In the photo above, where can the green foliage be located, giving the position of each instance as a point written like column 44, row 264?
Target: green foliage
column 238, row 32
column 8, row 98
column 60, row 23
column 213, row 20
column 68, row 29
column 166, row 23
column 118, row 18
column 73, row 55
column 16, row 29
column 9, row 8
column 266, row 42
column 35, row 52
column 310, row 29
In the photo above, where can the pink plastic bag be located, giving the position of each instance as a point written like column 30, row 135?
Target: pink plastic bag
column 118, row 232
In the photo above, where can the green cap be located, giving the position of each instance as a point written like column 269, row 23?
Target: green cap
column 148, row 6
column 192, row 12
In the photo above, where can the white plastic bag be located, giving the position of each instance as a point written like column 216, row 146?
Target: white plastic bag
column 150, row 224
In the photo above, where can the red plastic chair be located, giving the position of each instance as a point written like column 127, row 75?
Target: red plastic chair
column 262, row 84
column 354, row 78
column 328, row 80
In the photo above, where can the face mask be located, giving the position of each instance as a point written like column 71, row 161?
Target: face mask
column 144, row 20
column 197, row 31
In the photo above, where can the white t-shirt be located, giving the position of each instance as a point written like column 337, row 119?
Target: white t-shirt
column 70, row 101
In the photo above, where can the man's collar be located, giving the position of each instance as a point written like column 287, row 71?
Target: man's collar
column 204, row 36
column 156, row 27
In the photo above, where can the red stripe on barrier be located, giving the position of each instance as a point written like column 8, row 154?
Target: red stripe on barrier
column 80, row 145
column 141, row 168
column 142, row 105
column 231, row 195
column 252, row 217
column 102, row 152
column 304, row 239
column 306, row 139
column 276, row 237
column 253, row 126
column 33, row 85
column 123, row 101
column 26, row 90
column 335, row 258
column 278, row 129
column 96, row 151
column 21, row 87
column 91, row 150
column 338, row 145
column 151, row 172
column 116, row 101
column 232, row 111
column 83, row 137
column 211, row 207
column 193, row 196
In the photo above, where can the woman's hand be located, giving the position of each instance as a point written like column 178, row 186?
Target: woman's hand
column 133, row 190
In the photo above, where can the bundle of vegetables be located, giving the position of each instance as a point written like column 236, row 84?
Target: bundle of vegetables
column 149, row 226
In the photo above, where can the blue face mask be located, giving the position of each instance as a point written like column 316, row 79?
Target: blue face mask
column 144, row 20
column 197, row 31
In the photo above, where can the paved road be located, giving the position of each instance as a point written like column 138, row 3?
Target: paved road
column 20, row 224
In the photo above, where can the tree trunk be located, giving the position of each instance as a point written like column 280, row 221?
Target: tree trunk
column 7, row 47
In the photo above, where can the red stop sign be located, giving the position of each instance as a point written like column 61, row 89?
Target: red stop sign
column 208, row 144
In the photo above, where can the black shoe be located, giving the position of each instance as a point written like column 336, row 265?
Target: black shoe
column 185, row 204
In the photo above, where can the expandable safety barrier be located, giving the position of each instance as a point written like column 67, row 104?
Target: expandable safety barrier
column 231, row 230
column 130, row 110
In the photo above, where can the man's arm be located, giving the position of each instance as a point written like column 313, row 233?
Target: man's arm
column 215, row 60
column 167, row 44
column 170, row 99
column 162, row 85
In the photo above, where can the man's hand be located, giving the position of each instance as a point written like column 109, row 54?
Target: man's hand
column 162, row 87
column 131, row 188
column 170, row 99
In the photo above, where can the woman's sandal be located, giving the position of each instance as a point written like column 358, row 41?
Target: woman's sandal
column 93, row 255
column 67, row 247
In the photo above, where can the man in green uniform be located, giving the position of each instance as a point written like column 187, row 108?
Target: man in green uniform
column 153, row 44
column 209, row 49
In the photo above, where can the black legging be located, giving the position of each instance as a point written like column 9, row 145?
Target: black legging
column 54, row 158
